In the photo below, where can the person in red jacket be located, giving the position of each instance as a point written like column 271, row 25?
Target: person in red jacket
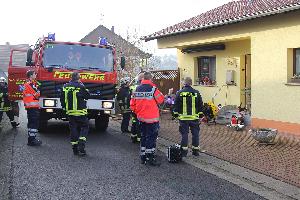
column 144, row 104
column 31, row 96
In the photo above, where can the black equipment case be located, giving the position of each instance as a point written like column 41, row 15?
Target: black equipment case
column 174, row 153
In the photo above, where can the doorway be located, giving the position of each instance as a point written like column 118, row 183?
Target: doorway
column 247, row 83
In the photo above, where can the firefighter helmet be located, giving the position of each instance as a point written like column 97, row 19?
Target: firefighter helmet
column 2, row 80
column 125, row 80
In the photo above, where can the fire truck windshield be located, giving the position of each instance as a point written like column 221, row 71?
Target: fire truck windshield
column 78, row 57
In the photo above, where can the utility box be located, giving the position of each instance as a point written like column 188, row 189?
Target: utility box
column 230, row 77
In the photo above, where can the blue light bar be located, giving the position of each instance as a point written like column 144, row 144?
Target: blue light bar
column 103, row 41
column 51, row 36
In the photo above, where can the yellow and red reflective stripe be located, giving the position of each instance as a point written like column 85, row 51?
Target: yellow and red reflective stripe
column 32, row 104
column 149, row 120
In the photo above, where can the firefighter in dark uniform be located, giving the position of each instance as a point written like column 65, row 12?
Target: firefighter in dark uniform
column 188, row 109
column 135, row 127
column 123, row 98
column 5, row 103
column 31, row 95
column 73, row 100
column 144, row 103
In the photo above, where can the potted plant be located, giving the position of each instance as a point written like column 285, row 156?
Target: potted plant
column 264, row 135
column 295, row 78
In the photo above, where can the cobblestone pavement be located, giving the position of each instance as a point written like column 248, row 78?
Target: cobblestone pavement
column 281, row 160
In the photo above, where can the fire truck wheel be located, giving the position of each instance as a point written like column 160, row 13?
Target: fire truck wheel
column 101, row 122
column 43, row 125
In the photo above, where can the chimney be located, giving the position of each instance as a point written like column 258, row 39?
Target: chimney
column 113, row 29
column 7, row 43
column 249, row 2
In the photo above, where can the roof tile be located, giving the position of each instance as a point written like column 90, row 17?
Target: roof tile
column 228, row 13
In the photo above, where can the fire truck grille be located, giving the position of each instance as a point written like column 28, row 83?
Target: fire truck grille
column 53, row 89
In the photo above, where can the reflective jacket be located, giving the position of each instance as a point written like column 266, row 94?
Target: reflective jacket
column 144, row 102
column 123, row 97
column 73, row 98
column 31, row 95
column 133, row 88
column 188, row 104
column 5, row 104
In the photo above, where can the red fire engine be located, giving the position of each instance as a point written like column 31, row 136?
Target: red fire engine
column 54, row 62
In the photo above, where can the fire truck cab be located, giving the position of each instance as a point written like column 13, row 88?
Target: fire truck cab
column 54, row 63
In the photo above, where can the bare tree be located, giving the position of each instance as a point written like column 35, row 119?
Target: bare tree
column 136, row 57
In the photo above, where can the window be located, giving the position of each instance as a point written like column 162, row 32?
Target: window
column 296, row 70
column 207, row 70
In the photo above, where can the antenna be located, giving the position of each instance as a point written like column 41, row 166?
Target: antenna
column 101, row 18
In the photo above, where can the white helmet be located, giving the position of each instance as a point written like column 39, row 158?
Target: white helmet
column 125, row 80
column 2, row 80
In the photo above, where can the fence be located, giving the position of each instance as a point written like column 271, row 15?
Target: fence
column 166, row 79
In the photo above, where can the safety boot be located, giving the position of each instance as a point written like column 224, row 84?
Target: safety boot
column 75, row 149
column 184, row 153
column 151, row 160
column 133, row 138
column 15, row 124
column 143, row 159
column 32, row 141
column 81, row 149
column 195, row 152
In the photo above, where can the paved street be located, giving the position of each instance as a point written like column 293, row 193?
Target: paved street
column 110, row 171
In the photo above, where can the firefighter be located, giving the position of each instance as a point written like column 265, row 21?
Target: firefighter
column 5, row 104
column 135, row 127
column 188, row 109
column 123, row 98
column 144, row 103
column 31, row 96
column 73, row 99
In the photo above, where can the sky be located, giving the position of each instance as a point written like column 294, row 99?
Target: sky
column 24, row 21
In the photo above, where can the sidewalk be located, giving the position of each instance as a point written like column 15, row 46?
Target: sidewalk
column 258, row 183
column 281, row 161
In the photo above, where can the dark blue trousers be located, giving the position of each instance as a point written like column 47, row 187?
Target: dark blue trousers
column 148, row 137
column 125, row 121
column 33, row 116
column 184, row 129
column 79, row 127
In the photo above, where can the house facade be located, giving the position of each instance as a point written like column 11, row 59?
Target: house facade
column 135, row 57
column 244, row 53
column 5, row 54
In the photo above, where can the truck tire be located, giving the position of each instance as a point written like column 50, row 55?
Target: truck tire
column 101, row 122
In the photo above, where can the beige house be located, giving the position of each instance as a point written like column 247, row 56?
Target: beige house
column 245, row 53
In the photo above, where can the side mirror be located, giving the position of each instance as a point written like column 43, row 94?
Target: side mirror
column 29, row 61
column 123, row 62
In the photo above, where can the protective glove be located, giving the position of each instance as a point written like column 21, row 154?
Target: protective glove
column 175, row 115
